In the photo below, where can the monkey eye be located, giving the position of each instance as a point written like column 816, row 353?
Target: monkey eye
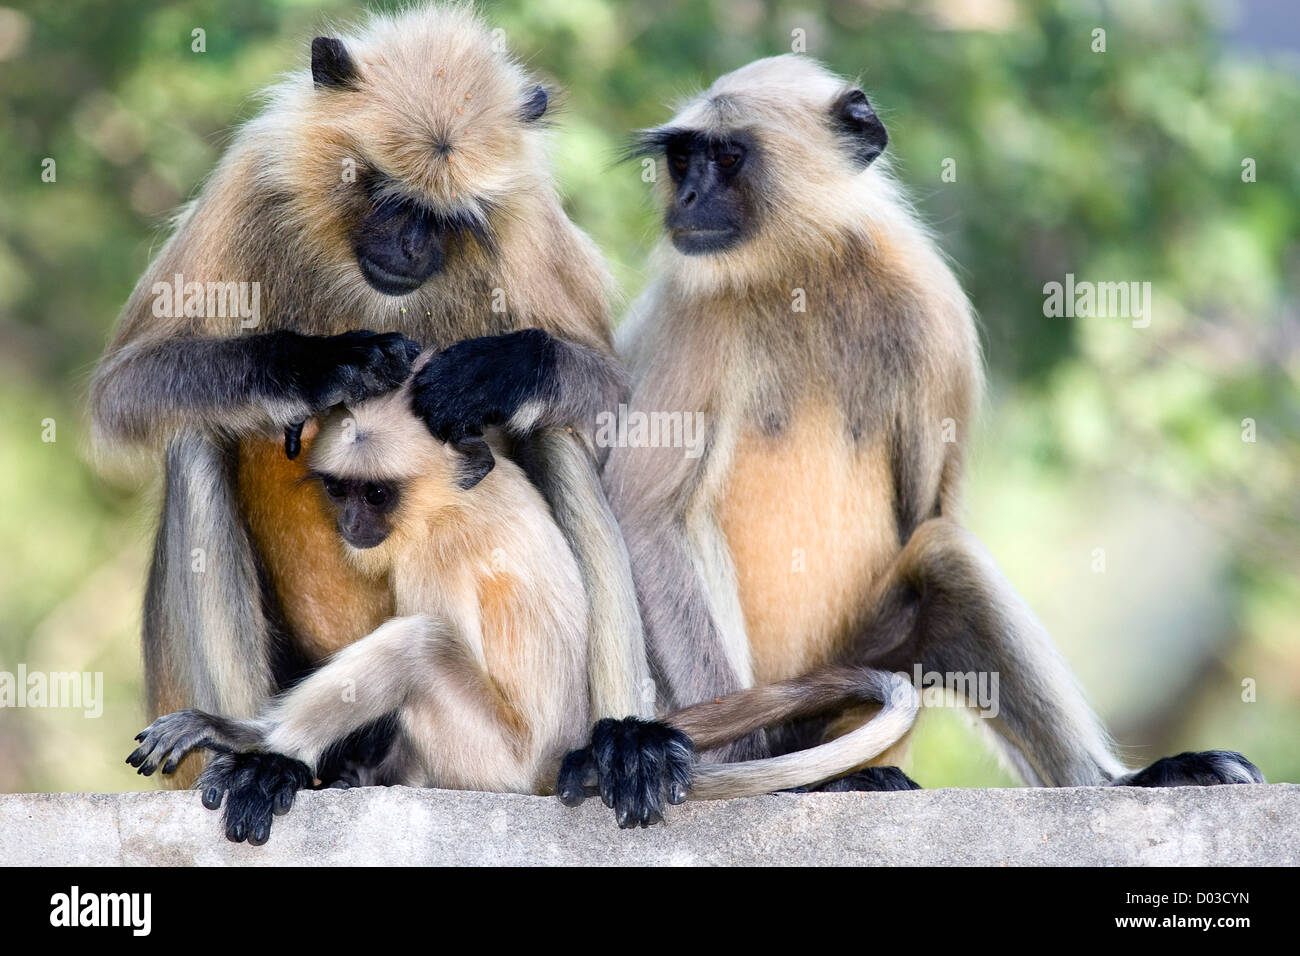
column 376, row 495
column 679, row 161
column 728, row 158
column 334, row 488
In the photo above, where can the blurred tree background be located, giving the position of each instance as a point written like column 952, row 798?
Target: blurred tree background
column 1111, row 477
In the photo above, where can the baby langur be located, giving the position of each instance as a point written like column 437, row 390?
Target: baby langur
column 484, row 664
column 484, row 668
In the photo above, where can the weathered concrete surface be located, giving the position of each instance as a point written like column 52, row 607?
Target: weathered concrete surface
column 1240, row 825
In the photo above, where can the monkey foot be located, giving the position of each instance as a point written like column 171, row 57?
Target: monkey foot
column 1207, row 768
column 637, row 765
column 869, row 778
column 168, row 740
column 260, row 785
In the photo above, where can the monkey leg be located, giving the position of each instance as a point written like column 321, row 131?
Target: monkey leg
column 262, row 762
column 205, row 636
column 457, row 730
column 260, row 784
column 945, row 606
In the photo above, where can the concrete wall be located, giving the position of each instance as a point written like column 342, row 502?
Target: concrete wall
column 1241, row 825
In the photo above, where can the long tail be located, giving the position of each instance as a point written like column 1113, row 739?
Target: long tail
column 832, row 688
column 713, row 723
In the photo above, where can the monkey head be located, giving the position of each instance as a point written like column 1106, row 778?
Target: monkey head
column 384, row 473
column 766, row 165
column 405, row 145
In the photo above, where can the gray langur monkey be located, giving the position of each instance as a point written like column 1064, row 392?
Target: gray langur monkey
column 400, row 185
column 483, row 671
column 800, row 306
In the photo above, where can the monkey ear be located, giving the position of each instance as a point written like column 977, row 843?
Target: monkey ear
column 857, row 121
column 536, row 105
column 476, row 461
column 330, row 63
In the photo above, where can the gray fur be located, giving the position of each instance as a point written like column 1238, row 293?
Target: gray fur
column 204, row 630
column 888, row 340
column 280, row 218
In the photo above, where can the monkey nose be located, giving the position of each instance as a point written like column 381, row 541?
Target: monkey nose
column 688, row 199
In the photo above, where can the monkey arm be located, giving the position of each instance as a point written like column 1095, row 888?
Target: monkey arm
column 694, row 627
column 459, row 729
column 689, row 651
column 150, row 387
column 583, row 383
column 561, row 466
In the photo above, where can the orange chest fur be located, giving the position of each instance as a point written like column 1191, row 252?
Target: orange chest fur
column 808, row 519
column 325, row 602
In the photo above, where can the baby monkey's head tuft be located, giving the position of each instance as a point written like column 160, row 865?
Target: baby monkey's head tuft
column 378, row 465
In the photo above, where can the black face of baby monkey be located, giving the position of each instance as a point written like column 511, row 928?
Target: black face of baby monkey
column 364, row 509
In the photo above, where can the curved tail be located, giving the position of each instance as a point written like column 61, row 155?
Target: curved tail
column 713, row 723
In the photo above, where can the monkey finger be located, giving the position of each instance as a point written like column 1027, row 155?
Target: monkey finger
column 680, row 760
column 283, row 802
column 260, row 833
column 642, row 788
column 603, row 750
column 137, row 759
column 248, row 815
column 571, row 783
column 412, row 348
column 178, row 753
column 293, row 439
column 149, row 740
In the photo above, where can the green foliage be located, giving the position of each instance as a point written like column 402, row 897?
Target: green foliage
column 1125, row 165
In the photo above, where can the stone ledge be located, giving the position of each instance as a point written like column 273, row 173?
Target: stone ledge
column 399, row 826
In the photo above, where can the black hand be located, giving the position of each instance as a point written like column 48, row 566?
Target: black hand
column 260, row 785
column 322, row 371
column 639, row 764
column 1205, row 769
column 482, row 382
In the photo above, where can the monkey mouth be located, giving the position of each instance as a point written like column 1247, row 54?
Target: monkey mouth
column 698, row 242
column 385, row 281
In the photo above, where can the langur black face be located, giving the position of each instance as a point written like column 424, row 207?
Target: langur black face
column 718, row 176
column 399, row 246
column 402, row 242
column 364, row 508
column 399, row 239
column 713, row 178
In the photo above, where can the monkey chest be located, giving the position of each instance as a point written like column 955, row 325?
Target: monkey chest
column 807, row 516
column 323, row 602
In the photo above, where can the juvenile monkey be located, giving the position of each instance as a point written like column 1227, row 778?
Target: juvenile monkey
column 401, row 185
column 483, row 670
column 800, row 305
